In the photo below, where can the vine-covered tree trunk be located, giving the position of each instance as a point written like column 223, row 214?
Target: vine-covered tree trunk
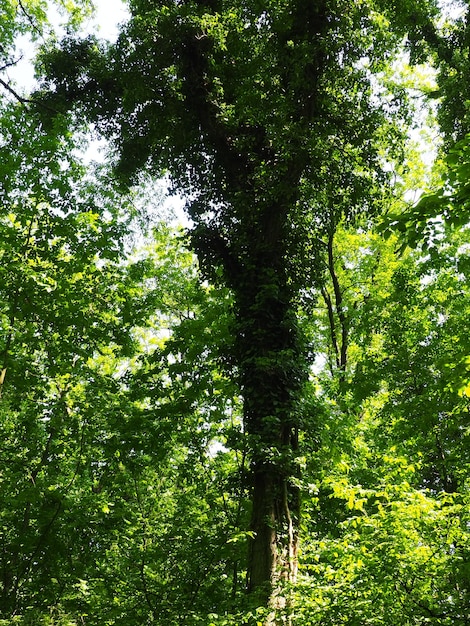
column 271, row 372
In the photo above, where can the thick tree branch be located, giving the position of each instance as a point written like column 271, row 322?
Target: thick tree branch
column 331, row 320
column 15, row 94
column 339, row 307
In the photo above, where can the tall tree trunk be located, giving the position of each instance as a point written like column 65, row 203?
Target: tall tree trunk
column 272, row 373
column 273, row 549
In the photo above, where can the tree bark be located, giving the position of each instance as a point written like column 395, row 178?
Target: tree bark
column 272, row 373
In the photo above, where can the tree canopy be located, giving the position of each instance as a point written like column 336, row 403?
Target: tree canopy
column 261, row 418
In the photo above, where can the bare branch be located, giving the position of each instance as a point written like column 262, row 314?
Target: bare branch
column 15, row 94
column 34, row 26
column 10, row 64
column 22, row 100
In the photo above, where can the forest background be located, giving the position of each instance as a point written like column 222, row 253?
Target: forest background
column 260, row 417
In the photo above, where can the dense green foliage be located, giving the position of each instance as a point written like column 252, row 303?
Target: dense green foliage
column 301, row 354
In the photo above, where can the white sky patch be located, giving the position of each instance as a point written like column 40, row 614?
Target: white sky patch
column 452, row 9
column 110, row 14
column 105, row 23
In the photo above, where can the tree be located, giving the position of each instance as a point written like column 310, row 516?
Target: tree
column 76, row 315
column 108, row 426
column 445, row 203
column 385, row 517
column 267, row 120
